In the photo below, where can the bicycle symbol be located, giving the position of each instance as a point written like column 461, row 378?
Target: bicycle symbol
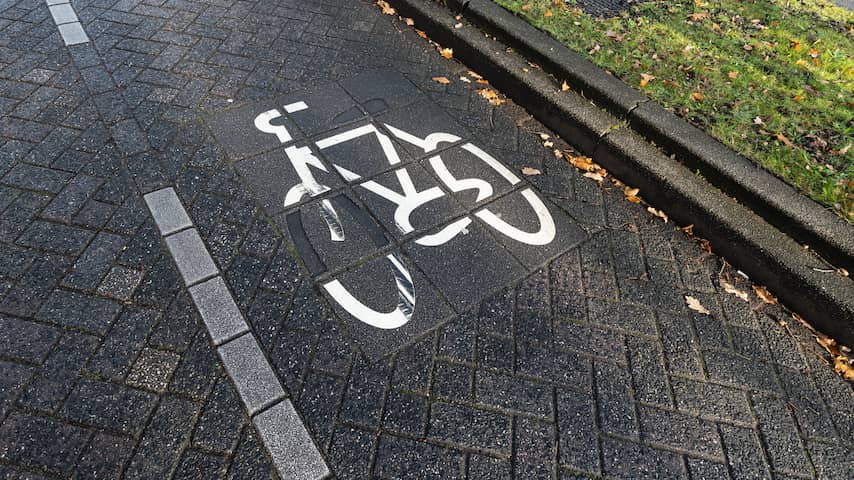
column 406, row 199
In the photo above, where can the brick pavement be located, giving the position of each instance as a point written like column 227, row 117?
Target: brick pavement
column 589, row 366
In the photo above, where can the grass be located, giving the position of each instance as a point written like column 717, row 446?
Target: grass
column 772, row 79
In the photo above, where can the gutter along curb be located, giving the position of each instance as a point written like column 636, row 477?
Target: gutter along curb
column 748, row 241
column 770, row 197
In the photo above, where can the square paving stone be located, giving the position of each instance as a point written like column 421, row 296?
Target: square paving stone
column 235, row 129
column 438, row 208
column 420, row 120
column 483, row 176
column 336, row 232
column 380, row 90
column 516, row 220
column 153, row 369
column 372, row 291
column 468, row 267
column 361, row 148
column 326, row 107
column 271, row 176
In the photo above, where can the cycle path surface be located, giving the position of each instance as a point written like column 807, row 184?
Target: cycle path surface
column 260, row 240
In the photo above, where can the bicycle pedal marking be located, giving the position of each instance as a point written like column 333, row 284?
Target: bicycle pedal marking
column 401, row 227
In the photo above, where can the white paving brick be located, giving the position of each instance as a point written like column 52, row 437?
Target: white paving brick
column 218, row 310
column 63, row 13
column 294, row 454
column 253, row 376
column 168, row 213
column 190, row 255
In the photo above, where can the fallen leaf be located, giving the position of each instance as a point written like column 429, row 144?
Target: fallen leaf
column 490, row 95
column 844, row 150
column 689, row 229
column 386, row 7
column 594, row 176
column 458, row 25
column 658, row 213
column 474, row 75
column 695, row 305
column 764, row 295
column 747, row 47
column 758, row 121
column 732, row 74
column 798, row 98
column 615, row 36
column 581, row 163
column 421, row 33
column 465, row 79
column 784, row 139
column 730, row 288
column 442, row 80
column 696, row 17
column 482, row 81
column 705, row 244
column 842, row 367
column 447, row 53
column 548, row 13
column 530, row 171
column 631, row 194
column 697, row 96
column 544, row 136
column 408, row 21
column 526, row 7
column 564, row 86
column 645, row 79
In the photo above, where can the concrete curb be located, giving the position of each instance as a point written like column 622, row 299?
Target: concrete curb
column 771, row 198
column 747, row 240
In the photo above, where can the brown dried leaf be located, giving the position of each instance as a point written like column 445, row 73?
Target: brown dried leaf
column 698, row 17
column 595, row 176
column 730, row 288
column 408, row 21
column 565, row 86
column 784, row 139
column 695, row 305
column 842, row 367
column 697, row 96
column 490, row 95
column 421, row 33
column 631, row 194
column 530, row 171
column 732, row 74
column 764, row 295
column 548, row 13
column 658, row 213
column 645, row 79
column 689, row 229
column 386, row 7
column 581, row 163
column 442, row 80
column 447, row 53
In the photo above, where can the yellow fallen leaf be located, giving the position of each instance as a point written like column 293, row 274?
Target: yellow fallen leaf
column 490, row 95
column 631, row 194
column 421, row 33
column 730, row 288
column 474, row 75
column 408, row 21
column 581, row 163
column 595, row 176
column 842, row 367
column 564, row 86
column 696, row 17
column 695, row 305
column 386, row 8
column 764, row 295
column 658, row 213
column 465, row 79
column 447, row 53
column 530, row 171
column 784, row 139
column 548, row 13
column 645, row 79
column 697, row 96
column 442, row 80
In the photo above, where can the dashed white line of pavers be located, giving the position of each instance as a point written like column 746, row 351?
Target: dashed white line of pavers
column 280, row 428
column 66, row 20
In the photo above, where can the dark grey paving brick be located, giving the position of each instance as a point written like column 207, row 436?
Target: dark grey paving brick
column 399, row 457
column 34, row 286
column 104, row 457
column 629, row 460
column 71, row 198
column 680, row 431
column 578, row 436
column 41, row 442
column 780, row 435
column 55, row 237
column 123, row 343
column 59, row 371
column 712, row 400
column 512, row 393
column 33, row 177
column 160, row 446
column 744, row 453
column 250, row 459
column 221, row 420
column 470, row 427
column 77, row 310
column 25, row 340
column 110, row 406
column 13, row 377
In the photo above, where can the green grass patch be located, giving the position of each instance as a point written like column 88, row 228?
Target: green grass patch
column 772, row 79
